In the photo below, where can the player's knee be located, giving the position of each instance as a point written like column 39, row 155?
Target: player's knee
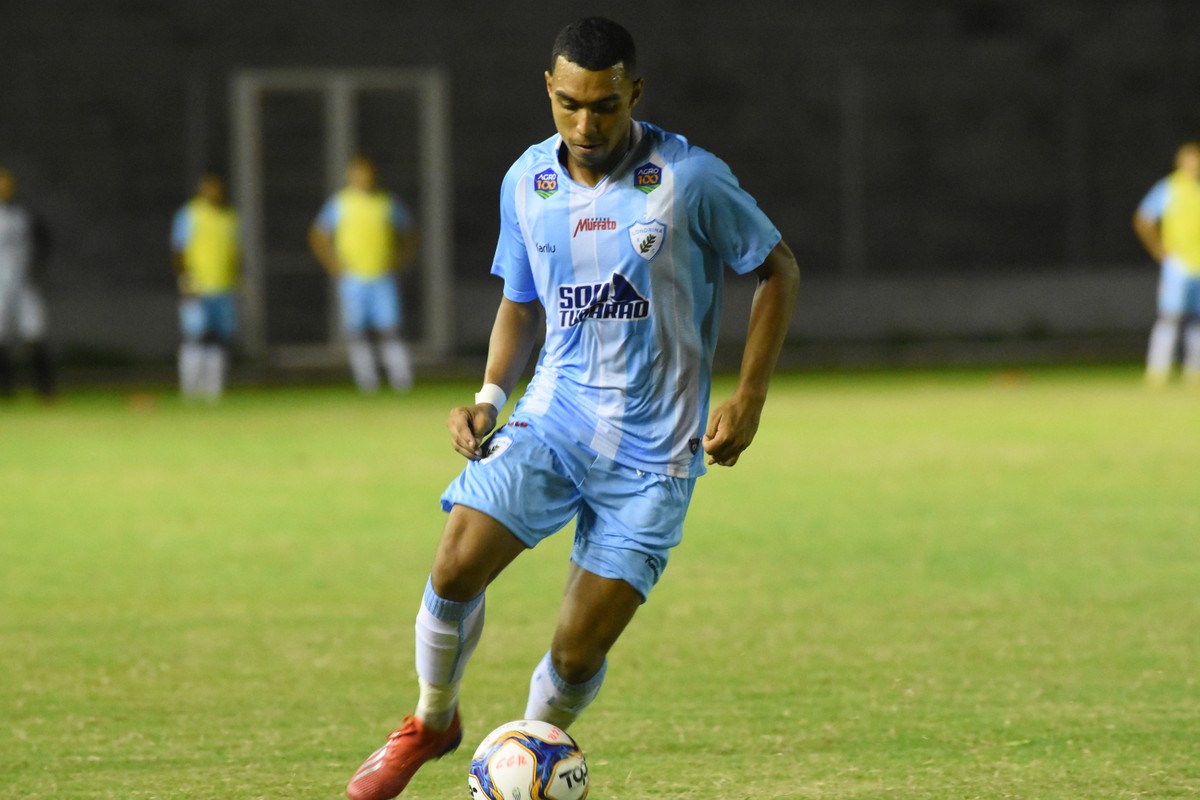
column 458, row 571
column 576, row 662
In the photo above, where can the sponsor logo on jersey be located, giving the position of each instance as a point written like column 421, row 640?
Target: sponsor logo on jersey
column 648, row 177
column 647, row 238
column 616, row 300
column 545, row 247
column 545, row 183
column 588, row 224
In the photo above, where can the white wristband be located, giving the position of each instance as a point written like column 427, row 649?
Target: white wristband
column 493, row 395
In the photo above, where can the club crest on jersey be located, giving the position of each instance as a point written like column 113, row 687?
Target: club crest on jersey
column 647, row 177
column 647, row 238
column 617, row 300
column 545, row 183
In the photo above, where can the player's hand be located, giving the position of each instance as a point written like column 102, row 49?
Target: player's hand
column 731, row 429
column 468, row 426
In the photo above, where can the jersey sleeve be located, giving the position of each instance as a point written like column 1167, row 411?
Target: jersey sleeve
column 1154, row 204
column 181, row 230
column 729, row 219
column 327, row 217
column 401, row 217
column 512, row 259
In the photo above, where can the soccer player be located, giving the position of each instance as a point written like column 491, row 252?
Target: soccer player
column 1168, row 224
column 363, row 236
column 614, row 236
column 24, row 243
column 206, row 256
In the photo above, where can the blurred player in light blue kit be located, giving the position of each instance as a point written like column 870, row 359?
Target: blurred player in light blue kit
column 1168, row 224
column 24, row 243
column 206, row 256
column 614, row 239
column 363, row 236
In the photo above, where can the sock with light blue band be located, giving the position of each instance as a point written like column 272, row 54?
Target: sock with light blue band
column 553, row 700
column 447, row 634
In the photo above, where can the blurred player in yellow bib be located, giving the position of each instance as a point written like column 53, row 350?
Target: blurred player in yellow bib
column 206, row 256
column 1168, row 224
column 363, row 236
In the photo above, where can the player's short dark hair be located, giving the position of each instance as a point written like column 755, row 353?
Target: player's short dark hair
column 595, row 43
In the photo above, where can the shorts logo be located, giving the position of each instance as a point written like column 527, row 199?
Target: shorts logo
column 647, row 177
column 617, row 301
column 652, row 563
column 588, row 224
column 647, row 238
column 545, row 183
column 495, row 447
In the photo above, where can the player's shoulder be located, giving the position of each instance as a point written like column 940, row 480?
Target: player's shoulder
column 686, row 159
column 536, row 158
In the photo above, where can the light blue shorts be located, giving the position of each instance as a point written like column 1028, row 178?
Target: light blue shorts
column 535, row 481
column 372, row 305
column 1178, row 290
column 208, row 316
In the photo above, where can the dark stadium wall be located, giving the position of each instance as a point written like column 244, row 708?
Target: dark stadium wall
column 912, row 152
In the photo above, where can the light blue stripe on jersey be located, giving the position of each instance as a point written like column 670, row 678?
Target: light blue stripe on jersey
column 1154, row 204
column 181, row 229
column 630, row 275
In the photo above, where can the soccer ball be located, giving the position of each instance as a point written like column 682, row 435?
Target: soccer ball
column 528, row 760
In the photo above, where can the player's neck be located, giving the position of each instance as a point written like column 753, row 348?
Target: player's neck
column 591, row 176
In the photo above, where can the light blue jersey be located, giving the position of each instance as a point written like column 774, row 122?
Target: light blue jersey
column 630, row 274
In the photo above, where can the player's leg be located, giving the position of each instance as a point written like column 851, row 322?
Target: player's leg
column 624, row 533
column 1164, row 337
column 385, row 317
column 592, row 617
column 8, row 312
column 31, row 326
column 1191, row 339
column 193, row 326
column 221, row 318
column 474, row 549
column 498, row 508
column 352, row 294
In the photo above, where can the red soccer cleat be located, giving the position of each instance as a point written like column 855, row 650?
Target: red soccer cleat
column 389, row 769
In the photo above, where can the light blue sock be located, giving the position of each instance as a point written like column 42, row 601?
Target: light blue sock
column 553, row 700
column 447, row 634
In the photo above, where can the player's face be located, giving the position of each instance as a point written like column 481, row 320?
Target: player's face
column 212, row 190
column 1188, row 161
column 361, row 176
column 592, row 112
column 8, row 186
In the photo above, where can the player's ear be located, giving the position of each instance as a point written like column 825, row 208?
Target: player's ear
column 550, row 84
column 636, row 95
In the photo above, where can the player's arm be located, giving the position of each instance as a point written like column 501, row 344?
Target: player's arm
column 180, row 233
column 1150, row 236
column 320, row 242
column 732, row 425
column 514, row 334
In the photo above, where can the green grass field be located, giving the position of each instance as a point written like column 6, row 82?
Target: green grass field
column 928, row 585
